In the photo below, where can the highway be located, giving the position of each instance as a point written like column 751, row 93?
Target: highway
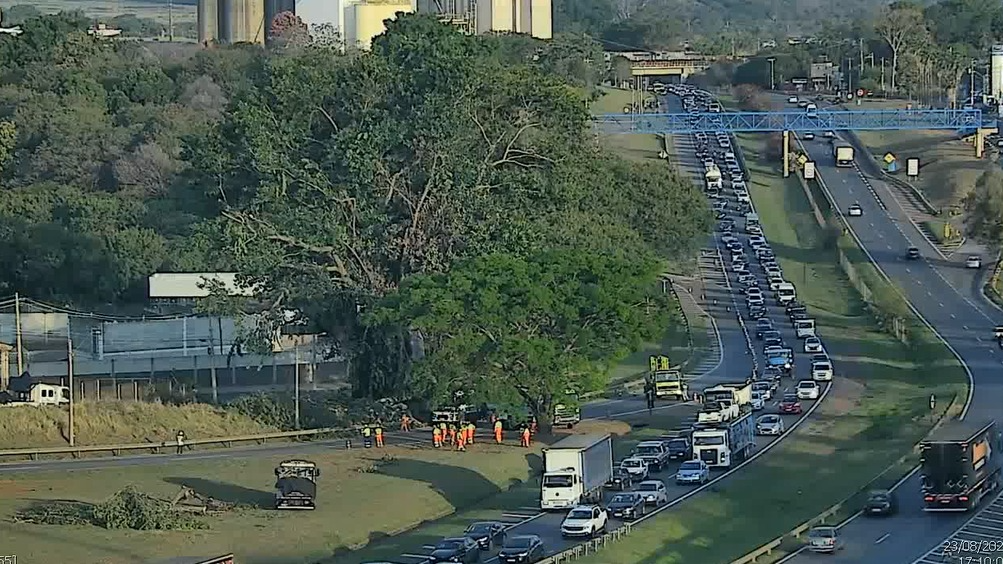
column 961, row 316
column 740, row 353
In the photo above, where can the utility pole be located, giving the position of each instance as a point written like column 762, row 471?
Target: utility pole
column 849, row 75
column 170, row 22
column 296, row 385
column 773, row 82
column 69, row 374
column 861, row 45
column 882, row 74
column 212, row 366
column 971, row 83
column 17, row 333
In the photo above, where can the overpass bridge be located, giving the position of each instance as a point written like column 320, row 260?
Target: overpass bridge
column 966, row 122
column 668, row 67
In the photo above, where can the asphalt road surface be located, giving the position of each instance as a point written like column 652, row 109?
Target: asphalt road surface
column 964, row 319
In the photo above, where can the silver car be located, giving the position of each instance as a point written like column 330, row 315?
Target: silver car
column 770, row 425
column 824, row 539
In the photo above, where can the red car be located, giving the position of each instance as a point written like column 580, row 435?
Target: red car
column 790, row 404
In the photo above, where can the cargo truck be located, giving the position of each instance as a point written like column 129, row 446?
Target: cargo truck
column 575, row 470
column 723, row 445
column 960, row 465
column 843, row 154
column 712, row 176
column 669, row 384
column 737, row 394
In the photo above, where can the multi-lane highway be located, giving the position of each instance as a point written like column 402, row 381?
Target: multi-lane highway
column 725, row 302
column 959, row 314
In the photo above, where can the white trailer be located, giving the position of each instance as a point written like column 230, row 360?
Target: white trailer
column 575, row 470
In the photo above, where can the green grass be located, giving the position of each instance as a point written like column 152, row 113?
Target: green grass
column 874, row 415
column 526, row 495
column 361, row 498
column 119, row 422
column 948, row 167
column 634, row 147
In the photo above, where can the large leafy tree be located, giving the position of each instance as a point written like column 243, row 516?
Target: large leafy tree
column 509, row 329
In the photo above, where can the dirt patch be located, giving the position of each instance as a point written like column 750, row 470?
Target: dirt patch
column 590, row 427
column 12, row 489
column 844, row 396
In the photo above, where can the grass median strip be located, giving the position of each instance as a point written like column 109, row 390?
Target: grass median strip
column 875, row 413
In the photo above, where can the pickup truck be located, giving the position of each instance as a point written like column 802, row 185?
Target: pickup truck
column 654, row 453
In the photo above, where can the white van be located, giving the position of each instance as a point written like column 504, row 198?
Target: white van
column 804, row 328
column 786, row 293
column 811, row 110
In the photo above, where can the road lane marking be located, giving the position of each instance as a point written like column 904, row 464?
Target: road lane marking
column 882, row 539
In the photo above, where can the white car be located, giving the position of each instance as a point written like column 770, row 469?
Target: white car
column 792, row 100
column 754, row 229
column 756, row 242
column 808, row 390
column 748, row 280
column 821, row 371
column 973, row 261
column 654, row 492
column 740, row 268
column 755, row 300
column 758, row 401
column 764, row 388
column 743, row 197
column 693, row 472
column 855, row 211
column 636, row 467
column 813, row 345
column 585, row 521
column 770, row 425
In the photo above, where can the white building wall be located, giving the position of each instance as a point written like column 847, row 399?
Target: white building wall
column 996, row 72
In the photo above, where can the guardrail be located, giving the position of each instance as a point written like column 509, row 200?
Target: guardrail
column 156, row 448
column 794, row 535
column 590, row 547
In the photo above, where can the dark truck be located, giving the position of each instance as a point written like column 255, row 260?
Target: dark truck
column 960, row 465
column 296, row 484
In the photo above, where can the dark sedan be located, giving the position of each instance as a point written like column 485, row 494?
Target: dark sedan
column 881, row 502
column 627, row 506
column 523, row 549
column 621, row 480
column 461, row 550
column 488, row 534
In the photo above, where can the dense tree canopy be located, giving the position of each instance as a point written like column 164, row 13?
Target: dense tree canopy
column 362, row 193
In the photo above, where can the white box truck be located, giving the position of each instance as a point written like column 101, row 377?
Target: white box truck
column 575, row 470
column 712, row 176
column 843, row 154
column 722, row 446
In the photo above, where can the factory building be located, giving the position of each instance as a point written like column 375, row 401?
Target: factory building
column 996, row 73
column 530, row 17
column 365, row 20
column 231, row 21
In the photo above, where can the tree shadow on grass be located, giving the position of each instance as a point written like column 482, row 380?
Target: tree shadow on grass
column 226, row 492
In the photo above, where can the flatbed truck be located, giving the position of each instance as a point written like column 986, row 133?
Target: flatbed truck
column 960, row 465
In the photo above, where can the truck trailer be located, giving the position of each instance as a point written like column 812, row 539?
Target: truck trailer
column 575, row 470
column 843, row 153
column 724, row 445
column 959, row 465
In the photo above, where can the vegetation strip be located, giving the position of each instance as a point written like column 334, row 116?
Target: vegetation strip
column 877, row 411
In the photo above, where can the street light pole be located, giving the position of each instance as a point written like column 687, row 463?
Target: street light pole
column 69, row 375
column 296, row 386
column 971, row 83
column 773, row 82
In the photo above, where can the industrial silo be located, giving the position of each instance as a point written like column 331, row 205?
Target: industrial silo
column 996, row 72
column 254, row 21
column 208, row 24
column 225, row 18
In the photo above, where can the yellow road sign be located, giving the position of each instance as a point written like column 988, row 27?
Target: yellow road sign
column 802, row 159
column 889, row 158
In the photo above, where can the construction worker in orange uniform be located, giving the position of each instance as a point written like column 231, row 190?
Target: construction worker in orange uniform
column 452, row 434
column 471, row 429
column 379, row 435
column 437, row 437
column 498, row 431
column 525, row 436
column 461, row 439
column 406, row 423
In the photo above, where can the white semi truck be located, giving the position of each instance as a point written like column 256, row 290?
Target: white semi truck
column 732, row 400
column 723, row 445
column 575, row 470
